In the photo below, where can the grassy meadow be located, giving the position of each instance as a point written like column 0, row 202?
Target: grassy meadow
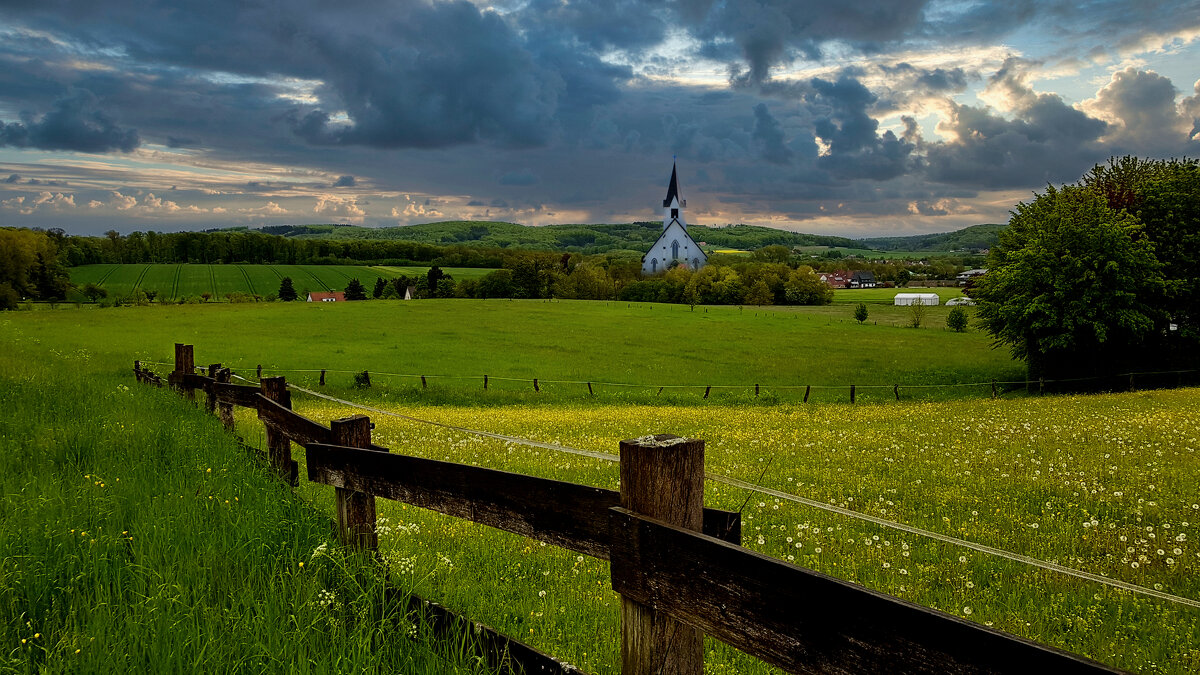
column 564, row 344
column 137, row 537
column 175, row 281
column 1103, row 484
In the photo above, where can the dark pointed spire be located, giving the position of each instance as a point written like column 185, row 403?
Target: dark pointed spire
column 673, row 189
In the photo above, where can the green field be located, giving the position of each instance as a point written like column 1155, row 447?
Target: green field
column 172, row 282
column 566, row 344
column 1104, row 484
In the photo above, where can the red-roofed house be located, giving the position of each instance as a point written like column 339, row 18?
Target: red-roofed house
column 838, row 279
column 335, row 296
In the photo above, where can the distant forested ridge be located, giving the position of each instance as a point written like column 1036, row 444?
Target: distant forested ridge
column 457, row 243
column 973, row 239
column 586, row 239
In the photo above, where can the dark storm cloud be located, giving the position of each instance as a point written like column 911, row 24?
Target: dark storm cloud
column 598, row 24
column 344, row 181
column 855, row 148
column 765, row 30
column 74, row 123
column 769, row 136
column 521, row 177
column 1050, row 144
column 411, row 75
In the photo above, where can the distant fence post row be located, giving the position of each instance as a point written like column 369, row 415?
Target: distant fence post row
column 678, row 566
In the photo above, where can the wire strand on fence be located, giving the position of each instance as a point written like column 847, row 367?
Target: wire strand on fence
column 734, row 482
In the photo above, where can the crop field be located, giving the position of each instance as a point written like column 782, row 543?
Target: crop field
column 172, row 282
column 1101, row 484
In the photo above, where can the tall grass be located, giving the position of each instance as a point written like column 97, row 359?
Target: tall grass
column 136, row 536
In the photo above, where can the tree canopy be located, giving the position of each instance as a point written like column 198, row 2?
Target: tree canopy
column 1096, row 278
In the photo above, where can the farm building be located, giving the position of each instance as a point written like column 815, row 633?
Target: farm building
column 917, row 299
column 335, row 296
column 964, row 277
column 674, row 245
column 862, row 279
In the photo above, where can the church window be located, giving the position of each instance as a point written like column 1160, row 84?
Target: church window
column 675, row 249
column 695, row 263
column 654, row 264
column 674, row 213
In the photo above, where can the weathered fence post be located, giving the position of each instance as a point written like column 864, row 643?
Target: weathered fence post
column 322, row 377
column 210, row 401
column 485, row 382
column 661, row 477
column 590, row 392
column 707, row 390
column 225, row 410
column 756, row 391
column 137, row 371
column 896, row 391
column 424, row 385
column 852, row 393
column 258, row 374
column 185, row 364
column 279, row 446
column 355, row 510
column 993, row 389
column 535, row 385
column 807, row 391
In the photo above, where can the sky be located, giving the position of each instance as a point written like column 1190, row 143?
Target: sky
column 856, row 117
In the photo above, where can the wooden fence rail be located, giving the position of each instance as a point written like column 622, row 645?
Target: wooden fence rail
column 679, row 567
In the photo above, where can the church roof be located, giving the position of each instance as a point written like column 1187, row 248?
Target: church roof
column 673, row 189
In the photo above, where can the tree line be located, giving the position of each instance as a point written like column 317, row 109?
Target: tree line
column 260, row 248
column 537, row 275
column 30, row 266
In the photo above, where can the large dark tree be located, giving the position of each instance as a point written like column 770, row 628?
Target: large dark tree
column 355, row 290
column 1072, row 286
column 380, row 284
column 287, row 291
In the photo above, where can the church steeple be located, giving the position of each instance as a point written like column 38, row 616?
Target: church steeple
column 674, row 246
column 672, row 189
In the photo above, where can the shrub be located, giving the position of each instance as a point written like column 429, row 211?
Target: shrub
column 957, row 320
column 860, row 312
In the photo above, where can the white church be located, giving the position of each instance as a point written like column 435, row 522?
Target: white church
column 674, row 244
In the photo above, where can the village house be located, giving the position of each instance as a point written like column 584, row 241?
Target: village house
column 674, row 245
column 838, row 279
column 862, row 279
column 334, row 296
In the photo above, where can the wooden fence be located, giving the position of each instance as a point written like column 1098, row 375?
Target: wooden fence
column 679, row 567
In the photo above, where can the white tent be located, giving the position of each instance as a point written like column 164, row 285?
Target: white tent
column 917, row 299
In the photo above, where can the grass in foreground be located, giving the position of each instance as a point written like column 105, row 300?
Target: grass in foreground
column 136, row 536
column 1103, row 484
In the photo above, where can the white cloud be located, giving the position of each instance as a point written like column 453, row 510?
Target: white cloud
column 25, row 205
column 268, row 209
column 122, row 202
column 339, row 207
